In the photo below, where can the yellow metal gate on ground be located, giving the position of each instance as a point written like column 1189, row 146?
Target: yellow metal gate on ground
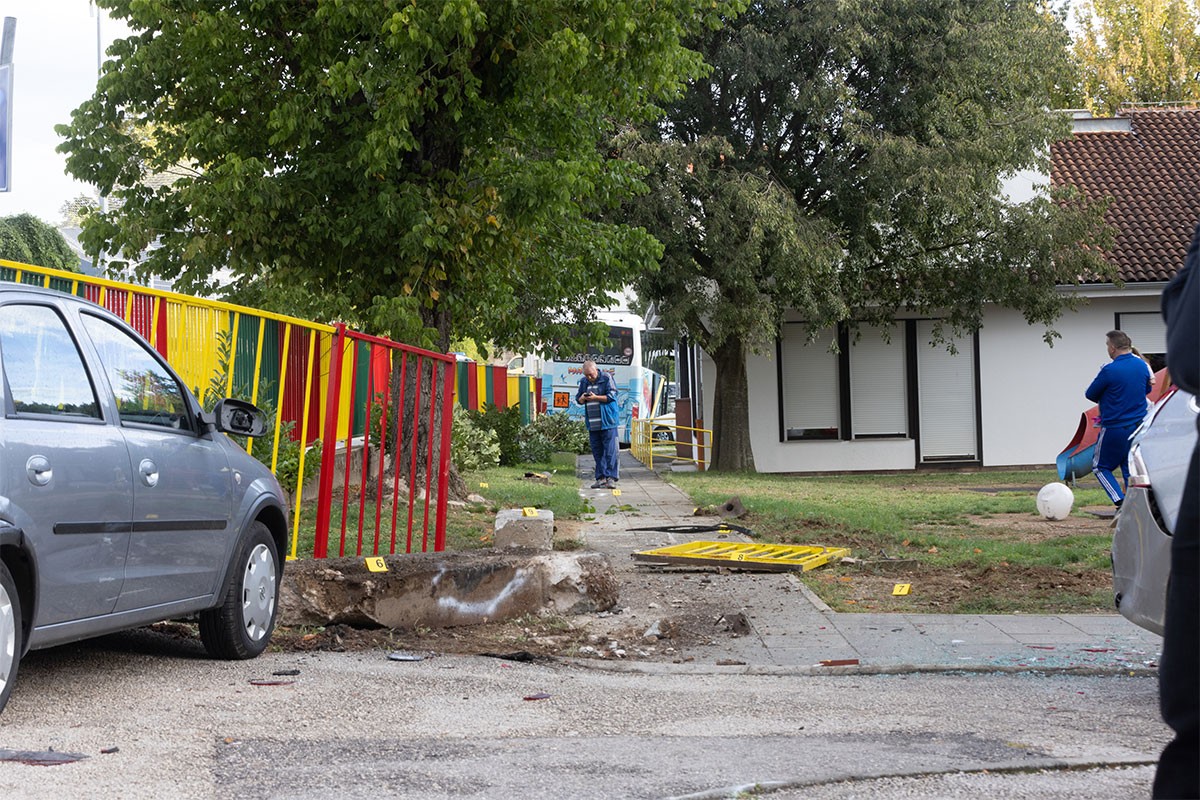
column 772, row 557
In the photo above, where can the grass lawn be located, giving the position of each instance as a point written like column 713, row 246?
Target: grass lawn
column 966, row 542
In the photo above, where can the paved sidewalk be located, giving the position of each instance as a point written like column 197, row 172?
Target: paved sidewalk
column 799, row 631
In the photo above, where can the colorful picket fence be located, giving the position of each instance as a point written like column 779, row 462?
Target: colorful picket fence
column 478, row 385
column 320, row 382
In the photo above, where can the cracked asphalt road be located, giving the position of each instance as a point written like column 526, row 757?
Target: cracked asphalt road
column 358, row 725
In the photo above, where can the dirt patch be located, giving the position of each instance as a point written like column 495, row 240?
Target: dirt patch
column 1032, row 528
column 992, row 589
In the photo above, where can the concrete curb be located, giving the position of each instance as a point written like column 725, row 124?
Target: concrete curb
column 838, row 776
column 817, row 670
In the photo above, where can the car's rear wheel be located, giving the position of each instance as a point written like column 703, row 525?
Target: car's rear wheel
column 241, row 626
column 662, row 435
column 10, row 634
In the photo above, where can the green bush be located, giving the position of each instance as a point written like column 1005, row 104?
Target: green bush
column 506, row 423
column 287, row 465
column 552, row 433
column 473, row 446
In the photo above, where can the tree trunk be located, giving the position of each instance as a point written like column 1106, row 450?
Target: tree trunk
column 420, row 383
column 732, row 450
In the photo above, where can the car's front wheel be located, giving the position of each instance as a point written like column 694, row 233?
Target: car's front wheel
column 10, row 634
column 241, row 626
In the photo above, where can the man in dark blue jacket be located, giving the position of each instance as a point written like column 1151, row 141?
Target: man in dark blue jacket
column 1120, row 389
column 598, row 394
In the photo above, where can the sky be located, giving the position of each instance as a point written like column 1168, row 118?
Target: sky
column 54, row 70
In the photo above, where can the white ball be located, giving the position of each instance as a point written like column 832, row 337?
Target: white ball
column 1054, row 501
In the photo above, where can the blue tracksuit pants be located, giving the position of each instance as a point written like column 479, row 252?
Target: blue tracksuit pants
column 1112, row 451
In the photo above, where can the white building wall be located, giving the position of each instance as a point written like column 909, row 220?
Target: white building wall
column 1031, row 395
column 772, row 455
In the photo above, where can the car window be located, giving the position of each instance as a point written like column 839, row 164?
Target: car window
column 43, row 369
column 147, row 393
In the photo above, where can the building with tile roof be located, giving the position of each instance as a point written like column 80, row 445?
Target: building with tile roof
column 1146, row 163
column 892, row 401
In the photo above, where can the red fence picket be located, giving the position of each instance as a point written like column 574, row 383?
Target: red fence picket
column 408, row 437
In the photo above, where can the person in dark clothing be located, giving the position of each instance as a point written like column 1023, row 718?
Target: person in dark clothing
column 1120, row 389
column 598, row 395
column 1178, row 773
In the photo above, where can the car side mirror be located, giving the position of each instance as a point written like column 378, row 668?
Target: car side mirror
column 239, row 417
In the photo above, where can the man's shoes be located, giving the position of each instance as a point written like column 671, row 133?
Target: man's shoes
column 600, row 484
column 609, row 483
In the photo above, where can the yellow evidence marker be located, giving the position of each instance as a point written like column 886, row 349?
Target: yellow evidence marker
column 376, row 564
column 901, row 588
column 529, row 511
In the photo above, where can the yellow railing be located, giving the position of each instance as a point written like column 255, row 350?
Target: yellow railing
column 676, row 443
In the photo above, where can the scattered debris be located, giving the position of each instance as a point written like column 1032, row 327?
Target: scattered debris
column 269, row 682
column 736, row 623
column 40, row 758
column 723, row 527
column 654, row 632
column 109, row 750
column 730, row 509
column 730, row 662
column 537, row 696
column 402, row 656
column 839, row 662
column 524, row 656
column 282, row 672
column 538, row 477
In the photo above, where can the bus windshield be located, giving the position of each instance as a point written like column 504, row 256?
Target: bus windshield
column 619, row 350
column 621, row 357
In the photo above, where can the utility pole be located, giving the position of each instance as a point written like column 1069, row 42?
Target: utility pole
column 8, row 40
column 93, row 8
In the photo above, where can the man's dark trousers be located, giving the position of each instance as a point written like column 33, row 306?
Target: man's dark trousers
column 605, row 451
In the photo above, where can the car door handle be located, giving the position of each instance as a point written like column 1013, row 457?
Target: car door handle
column 148, row 470
column 38, row 470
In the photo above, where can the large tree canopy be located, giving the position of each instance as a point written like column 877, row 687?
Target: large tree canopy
column 426, row 169
column 27, row 239
column 1137, row 51
column 844, row 161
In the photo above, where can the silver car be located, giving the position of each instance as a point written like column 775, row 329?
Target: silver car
column 122, row 502
column 1141, row 551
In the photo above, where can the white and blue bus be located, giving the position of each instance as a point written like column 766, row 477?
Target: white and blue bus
column 641, row 392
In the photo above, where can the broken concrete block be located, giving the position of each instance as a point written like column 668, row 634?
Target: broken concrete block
column 445, row 589
column 514, row 529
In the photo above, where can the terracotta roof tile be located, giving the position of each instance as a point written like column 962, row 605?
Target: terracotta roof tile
column 1152, row 175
